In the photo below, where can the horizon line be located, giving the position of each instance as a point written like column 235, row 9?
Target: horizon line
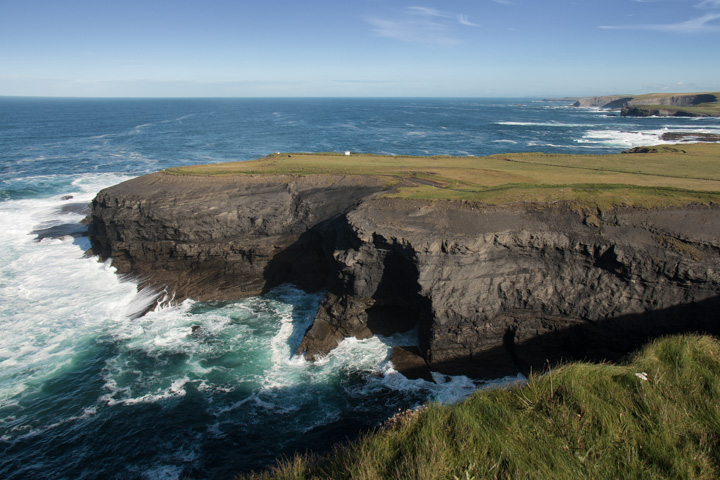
column 147, row 97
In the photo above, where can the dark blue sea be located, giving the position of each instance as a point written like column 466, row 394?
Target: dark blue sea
column 88, row 392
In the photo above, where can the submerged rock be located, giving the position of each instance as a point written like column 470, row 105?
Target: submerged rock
column 409, row 362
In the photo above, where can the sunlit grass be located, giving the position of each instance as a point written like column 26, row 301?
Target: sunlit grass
column 672, row 175
column 657, row 416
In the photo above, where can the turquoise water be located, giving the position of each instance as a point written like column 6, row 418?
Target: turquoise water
column 89, row 391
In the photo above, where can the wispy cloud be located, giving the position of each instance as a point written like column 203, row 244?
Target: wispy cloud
column 709, row 4
column 696, row 25
column 705, row 24
column 463, row 20
column 460, row 18
column 422, row 25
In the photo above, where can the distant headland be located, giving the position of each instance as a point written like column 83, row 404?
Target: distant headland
column 658, row 104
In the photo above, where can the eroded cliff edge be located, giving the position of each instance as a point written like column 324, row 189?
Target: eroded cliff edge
column 491, row 289
column 221, row 237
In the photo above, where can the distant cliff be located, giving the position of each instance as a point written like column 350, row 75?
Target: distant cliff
column 609, row 101
column 688, row 105
column 491, row 289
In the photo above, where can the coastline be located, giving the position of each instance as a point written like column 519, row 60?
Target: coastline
column 398, row 242
column 202, row 393
column 658, row 105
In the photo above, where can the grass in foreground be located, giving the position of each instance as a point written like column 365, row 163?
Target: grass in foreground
column 578, row 421
column 673, row 175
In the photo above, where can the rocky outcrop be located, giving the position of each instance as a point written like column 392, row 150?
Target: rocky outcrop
column 497, row 289
column 221, row 237
column 689, row 137
column 676, row 105
column 652, row 111
column 608, row 101
column 491, row 290
column 689, row 100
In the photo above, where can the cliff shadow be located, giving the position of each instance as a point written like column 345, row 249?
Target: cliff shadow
column 609, row 340
column 398, row 305
column 303, row 263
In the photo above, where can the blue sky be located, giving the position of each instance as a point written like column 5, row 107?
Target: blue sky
column 460, row 48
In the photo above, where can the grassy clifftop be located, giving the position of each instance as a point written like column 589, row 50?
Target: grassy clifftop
column 699, row 104
column 667, row 175
column 659, row 104
column 657, row 416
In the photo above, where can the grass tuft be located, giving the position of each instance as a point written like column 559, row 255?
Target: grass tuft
column 679, row 247
column 657, row 416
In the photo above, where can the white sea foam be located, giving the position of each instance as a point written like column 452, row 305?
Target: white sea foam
column 185, row 117
column 640, row 137
column 139, row 128
column 54, row 300
column 622, row 138
column 163, row 472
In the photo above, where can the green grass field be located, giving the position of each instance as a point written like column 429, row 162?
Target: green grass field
column 656, row 417
column 673, row 175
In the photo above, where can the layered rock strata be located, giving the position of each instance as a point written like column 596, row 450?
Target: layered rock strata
column 609, row 101
column 222, row 237
column 658, row 111
column 491, row 290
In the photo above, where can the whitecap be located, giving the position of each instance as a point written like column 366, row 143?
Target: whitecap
column 163, row 472
column 56, row 300
column 623, row 138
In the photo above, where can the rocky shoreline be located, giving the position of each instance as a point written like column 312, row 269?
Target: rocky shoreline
column 690, row 137
column 491, row 290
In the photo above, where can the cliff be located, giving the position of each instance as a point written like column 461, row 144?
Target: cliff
column 497, row 289
column 219, row 238
column 491, row 288
column 608, row 101
column 655, row 104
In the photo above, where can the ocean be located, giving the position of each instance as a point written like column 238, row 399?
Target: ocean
column 88, row 391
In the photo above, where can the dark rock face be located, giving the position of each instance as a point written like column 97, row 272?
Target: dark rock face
column 498, row 290
column 491, row 290
column 690, row 137
column 610, row 101
column 409, row 362
column 217, row 238
column 675, row 100
column 645, row 111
